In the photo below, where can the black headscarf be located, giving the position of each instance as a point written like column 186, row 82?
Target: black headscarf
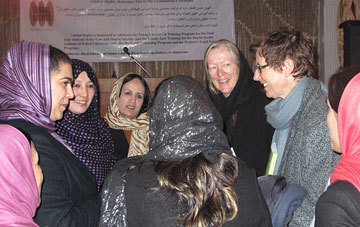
column 240, row 95
column 248, row 132
column 184, row 122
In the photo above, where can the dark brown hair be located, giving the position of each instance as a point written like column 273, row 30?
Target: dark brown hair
column 337, row 84
column 289, row 43
column 57, row 56
column 129, row 77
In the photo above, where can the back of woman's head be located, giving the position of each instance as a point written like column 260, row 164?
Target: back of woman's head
column 205, row 190
column 193, row 156
column 337, row 84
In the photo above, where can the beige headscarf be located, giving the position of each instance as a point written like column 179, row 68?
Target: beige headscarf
column 139, row 127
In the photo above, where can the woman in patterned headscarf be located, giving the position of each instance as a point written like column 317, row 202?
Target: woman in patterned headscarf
column 127, row 116
column 82, row 128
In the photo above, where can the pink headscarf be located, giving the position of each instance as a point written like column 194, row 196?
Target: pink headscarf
column 348, row 168
column 19, row 196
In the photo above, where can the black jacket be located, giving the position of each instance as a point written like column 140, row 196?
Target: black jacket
column 120, row 142
column 244, row 117
column 152, row 208
column 338, row 206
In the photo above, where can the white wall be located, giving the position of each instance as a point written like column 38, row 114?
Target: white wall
column 328, row 54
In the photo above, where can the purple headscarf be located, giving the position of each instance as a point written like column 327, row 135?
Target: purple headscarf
column 87, row 134
column 25, row 85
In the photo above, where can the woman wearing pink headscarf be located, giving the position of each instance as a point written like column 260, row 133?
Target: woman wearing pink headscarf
column 20, row 178
column 339, row 205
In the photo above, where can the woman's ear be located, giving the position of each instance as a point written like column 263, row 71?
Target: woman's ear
column 288, row 66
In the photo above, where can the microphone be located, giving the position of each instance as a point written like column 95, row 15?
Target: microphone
column 126, row 51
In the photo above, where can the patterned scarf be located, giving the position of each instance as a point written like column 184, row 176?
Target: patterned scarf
column 139, row 127
column 25, row 86
column 87, row 134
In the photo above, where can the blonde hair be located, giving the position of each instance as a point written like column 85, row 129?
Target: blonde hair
column 234, row 53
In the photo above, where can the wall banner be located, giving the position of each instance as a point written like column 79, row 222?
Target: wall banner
column 152, row 30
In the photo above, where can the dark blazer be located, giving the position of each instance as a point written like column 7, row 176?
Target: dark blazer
column 69, row 196
column 120, row 142
column 338, row 206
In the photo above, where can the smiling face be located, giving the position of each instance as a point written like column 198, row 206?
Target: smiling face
column 223, row 70
column 84, row 91
column 277, row 83
column 61, row 90
column 37, row 170
column 331, row 120
column 131, row 98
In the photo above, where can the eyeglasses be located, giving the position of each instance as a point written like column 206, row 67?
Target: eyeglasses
column 261, row 67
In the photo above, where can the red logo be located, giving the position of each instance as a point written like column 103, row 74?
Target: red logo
column 41, row 13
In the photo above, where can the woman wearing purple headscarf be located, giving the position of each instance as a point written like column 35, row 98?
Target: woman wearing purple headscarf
column 35, row 89
column 82, row 128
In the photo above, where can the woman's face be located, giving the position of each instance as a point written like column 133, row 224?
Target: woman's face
column 37, row 169
column 223, row 70
column 61, row 90
column 333, row 130
column 276, row 83
column 84, row 91
column 131, row 98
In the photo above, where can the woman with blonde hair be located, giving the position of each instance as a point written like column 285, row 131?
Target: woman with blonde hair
column 127, row 116
column 240, row 102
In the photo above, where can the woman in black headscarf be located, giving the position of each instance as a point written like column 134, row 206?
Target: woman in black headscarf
column 240, row 102
column 189, row 177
